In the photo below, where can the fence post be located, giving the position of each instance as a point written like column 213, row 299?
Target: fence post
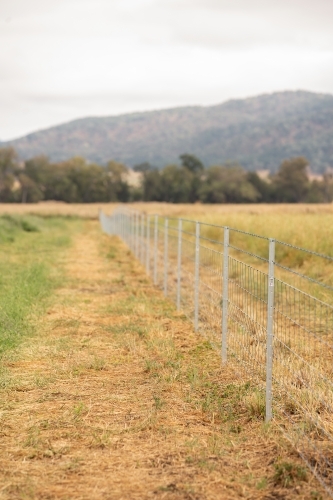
column 136, row 222
column 270, row 329
column 155, row 248
column 133, row 233
column 196, row 276
column 141, row 238
column 139, row 231
column 143, row 247
column 166, row 226
column 148, row 246
column 179, row 262
column 225, row 297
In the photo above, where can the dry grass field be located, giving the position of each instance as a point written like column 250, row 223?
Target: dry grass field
column 306, row 225
column 233, row 405
column 113, row 396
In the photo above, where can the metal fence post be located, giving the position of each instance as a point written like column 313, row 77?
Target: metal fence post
column 225, row 294
column 140, row 236
column 136, row 223
column 148, row 246
column 166, row 226
column 133, row 231
column 196, row 276
column 270, row 329
column 142, row 239
column 179, row 261
column 155, row 247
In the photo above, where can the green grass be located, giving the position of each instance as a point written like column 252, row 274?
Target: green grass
column 29, row 247
column 288, row 473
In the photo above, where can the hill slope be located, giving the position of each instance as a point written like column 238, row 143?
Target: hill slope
column 258, row 132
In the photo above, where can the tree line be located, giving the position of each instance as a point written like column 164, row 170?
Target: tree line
column 78, row 181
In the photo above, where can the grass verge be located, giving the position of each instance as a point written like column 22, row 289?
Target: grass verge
column 29, row 248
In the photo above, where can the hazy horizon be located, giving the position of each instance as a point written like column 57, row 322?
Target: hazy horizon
column 65, row 60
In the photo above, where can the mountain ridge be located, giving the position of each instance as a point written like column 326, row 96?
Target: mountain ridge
column 258, row 132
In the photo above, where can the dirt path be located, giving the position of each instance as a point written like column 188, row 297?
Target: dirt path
column 117, row 398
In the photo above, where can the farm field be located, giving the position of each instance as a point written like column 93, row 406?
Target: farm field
column 107, row 392
column 306, row 225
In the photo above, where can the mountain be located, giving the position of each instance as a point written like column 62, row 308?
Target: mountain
column 258, row 132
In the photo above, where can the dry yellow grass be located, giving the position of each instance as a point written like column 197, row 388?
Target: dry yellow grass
column 202, row 210
column 117, row 398
column 305, row 225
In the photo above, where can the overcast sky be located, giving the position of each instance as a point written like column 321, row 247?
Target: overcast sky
column 65, row 59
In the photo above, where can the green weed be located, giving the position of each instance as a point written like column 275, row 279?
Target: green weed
column 79, row 410
column 28, row 226
column 287, row 473
column 262, row 484
column 158, row 402
column 97, row 364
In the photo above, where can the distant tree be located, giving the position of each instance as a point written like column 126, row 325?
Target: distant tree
column 152, row 187
column 90, row 180
column 76, row 181
column 192, row 163
column 39, row 170
column 61, row 186
column 143, row 167
column 29, row 191
column 8, row 168
column 315, row 192
column 291, row 182
column 227, row 184
column 177, row 184
column 118, row 189
column 263, row 187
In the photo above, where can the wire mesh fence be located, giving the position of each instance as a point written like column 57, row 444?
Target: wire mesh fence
column 265, row 304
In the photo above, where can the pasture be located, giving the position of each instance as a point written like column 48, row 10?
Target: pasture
column 107, row 392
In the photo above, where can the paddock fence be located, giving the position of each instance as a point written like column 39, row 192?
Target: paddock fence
column 264, row 304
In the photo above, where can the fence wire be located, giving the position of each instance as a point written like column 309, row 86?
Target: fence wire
column 263, row 303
